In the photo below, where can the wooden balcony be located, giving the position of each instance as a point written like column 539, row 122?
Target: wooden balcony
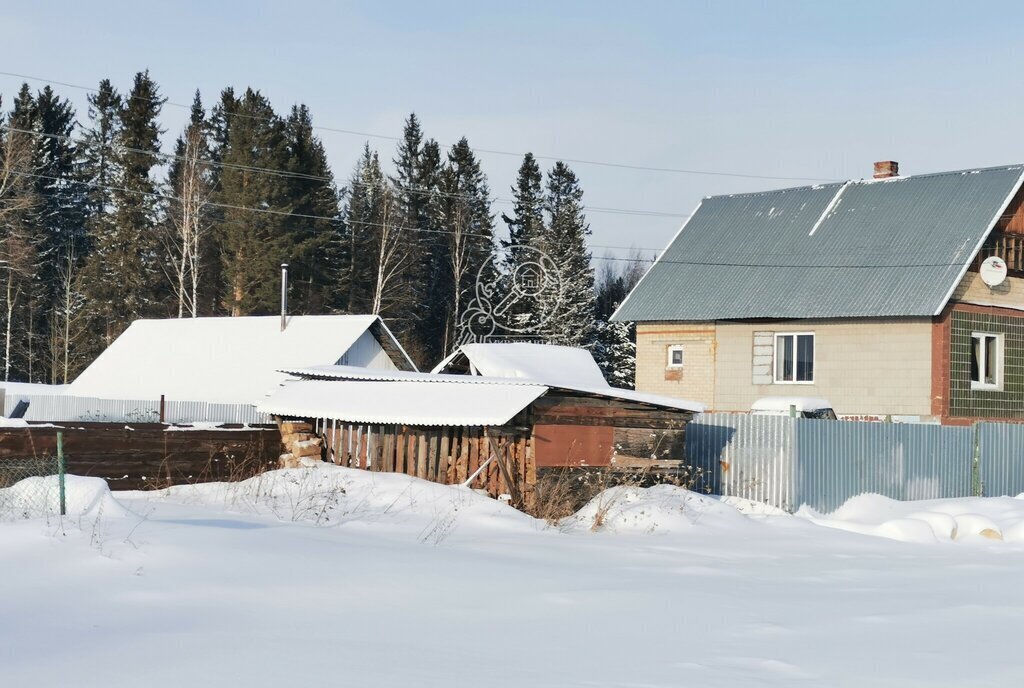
column 1009, row 247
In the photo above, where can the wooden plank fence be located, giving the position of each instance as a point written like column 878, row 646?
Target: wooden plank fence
column 149, row 455
column 448, row 455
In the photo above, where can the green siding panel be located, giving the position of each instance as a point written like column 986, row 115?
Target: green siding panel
column 1007, row 402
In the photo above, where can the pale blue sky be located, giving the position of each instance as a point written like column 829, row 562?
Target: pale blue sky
column 815, row 89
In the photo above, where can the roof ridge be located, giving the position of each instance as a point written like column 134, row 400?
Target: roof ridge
column 863, row 180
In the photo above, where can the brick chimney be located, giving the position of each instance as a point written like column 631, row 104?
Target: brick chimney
column 887, row 168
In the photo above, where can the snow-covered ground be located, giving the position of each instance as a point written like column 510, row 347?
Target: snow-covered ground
column 340, row 577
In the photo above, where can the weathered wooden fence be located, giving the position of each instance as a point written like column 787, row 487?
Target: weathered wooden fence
column 449, row 455
column 149, row 455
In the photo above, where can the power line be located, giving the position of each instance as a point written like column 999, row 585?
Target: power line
column 491, row 238
column 165, row 157
column 491, row 151
column 229, row 206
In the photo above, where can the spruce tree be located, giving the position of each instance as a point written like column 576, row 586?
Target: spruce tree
column 526, row 231
column 432, row 263
column 98, row 172
column 61, row 228
column 253, row 231
column 219, row 137
column 572, row 321
column 319, row 251
column 359, row 224
column 469, row 243
column 615, row 347
column 124, row 270
column 410, row 207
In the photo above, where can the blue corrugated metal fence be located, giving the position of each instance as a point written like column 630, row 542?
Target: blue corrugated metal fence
column 789, row 462
column 836, row 460
column 1000, row 459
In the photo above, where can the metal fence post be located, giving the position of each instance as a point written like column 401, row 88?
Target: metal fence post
column 976, row 487
column 60, row 471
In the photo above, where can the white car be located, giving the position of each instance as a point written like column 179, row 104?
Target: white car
column 801, row 407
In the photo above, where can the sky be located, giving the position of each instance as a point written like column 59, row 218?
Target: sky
column 774, row 90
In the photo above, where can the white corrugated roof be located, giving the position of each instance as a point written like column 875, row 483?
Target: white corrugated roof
column 402, row 401
column 550, row 364
column 563, row 367
column 223, row 360
column 344, row 372
column 338, row 372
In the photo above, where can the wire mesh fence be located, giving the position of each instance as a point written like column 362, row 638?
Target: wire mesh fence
column 32, row 486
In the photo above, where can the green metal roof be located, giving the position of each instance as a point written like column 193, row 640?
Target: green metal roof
column 874, row 248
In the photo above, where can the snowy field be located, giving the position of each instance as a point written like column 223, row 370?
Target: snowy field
column 332, row 577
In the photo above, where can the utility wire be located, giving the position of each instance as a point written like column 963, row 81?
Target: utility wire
column 491, row 238
column 166, row 157
column 491, row 151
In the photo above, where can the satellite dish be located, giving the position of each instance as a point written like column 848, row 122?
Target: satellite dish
column 993, row 271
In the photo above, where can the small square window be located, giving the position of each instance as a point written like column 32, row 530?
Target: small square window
column 986, row 361
column 675, row 356
column 794, row 357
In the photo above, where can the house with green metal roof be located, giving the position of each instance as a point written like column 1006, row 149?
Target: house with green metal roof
column 896, row 296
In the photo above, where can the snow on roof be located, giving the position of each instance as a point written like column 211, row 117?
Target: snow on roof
column 340, row 372
column 402, row 401
column 223, row 360
column 346, row 372
column 553, row 365
column 783, row 404
column 17, row 388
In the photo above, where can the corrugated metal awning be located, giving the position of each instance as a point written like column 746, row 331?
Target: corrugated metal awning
column 407, row 402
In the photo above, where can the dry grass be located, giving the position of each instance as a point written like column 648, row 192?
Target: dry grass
column 561, row 492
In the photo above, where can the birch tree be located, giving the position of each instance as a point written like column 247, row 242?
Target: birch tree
column 17, row 250
column 189, row 217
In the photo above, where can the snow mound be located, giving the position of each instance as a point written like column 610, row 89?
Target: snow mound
column 326, row 495
column 962, row 519
column 40, row 496
column 657, row 509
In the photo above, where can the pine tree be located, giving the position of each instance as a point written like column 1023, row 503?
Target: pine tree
column 252, row 243
column 124, row 269
column 469, row 244
column 572, row 321
column 319, row 254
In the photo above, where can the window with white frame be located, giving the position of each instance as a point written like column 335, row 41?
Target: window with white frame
column 675, row 356
column 794, row 357
column 986, row 360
